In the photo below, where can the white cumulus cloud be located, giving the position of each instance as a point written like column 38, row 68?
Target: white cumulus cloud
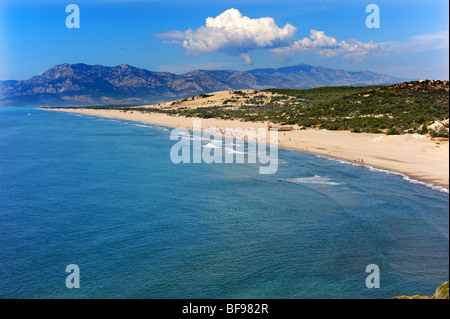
column 247, row 59
column 234, row 34
column 320, row 43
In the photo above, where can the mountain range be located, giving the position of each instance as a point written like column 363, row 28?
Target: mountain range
column 82, row 84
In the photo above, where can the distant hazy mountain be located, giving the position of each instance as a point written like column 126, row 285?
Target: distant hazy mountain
column 81, row 84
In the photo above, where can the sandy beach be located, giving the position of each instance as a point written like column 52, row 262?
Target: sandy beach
column 416, row 156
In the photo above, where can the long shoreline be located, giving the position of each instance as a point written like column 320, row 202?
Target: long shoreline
column 414, row 156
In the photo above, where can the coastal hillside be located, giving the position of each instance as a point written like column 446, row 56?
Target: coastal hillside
column 419, row 107
column 441, row 293
column 82, row 84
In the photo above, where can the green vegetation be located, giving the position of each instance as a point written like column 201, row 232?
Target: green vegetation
column 441, row 293
column 322, row 94
column 408, row 107
column 392, row 109
column 240, row 93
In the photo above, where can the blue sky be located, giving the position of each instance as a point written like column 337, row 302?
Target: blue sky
column 412, row 40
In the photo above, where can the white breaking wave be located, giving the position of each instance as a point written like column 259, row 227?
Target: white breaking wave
column 141, row 125
column 385, row 171
column 233, row 151
column 211, row 145
column 432, row 186
column 194, row 138
column 316, row 179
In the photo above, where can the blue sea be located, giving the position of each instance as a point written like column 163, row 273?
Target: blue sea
column 103, row 194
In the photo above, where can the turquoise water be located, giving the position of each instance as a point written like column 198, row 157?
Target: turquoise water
column 103, row 194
